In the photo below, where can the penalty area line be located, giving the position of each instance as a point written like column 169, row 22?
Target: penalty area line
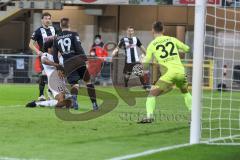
column 11, row 158
column 152, row 151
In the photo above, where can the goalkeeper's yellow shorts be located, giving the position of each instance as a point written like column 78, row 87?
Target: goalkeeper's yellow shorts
column 171, row 78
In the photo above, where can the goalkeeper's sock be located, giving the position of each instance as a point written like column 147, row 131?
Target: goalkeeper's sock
column 49, row 103
column 150, row 106
column 188, row 100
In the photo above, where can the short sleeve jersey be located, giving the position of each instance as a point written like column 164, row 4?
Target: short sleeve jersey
column 42, row 35
column 68, row 44
column 130, row 47
column 166, row 51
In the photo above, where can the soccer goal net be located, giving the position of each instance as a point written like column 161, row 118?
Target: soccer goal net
column 220, row 119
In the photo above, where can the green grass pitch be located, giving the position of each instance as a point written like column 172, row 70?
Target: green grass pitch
column 38, row 134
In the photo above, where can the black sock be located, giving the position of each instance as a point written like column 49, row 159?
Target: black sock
column 91, row 93
column 126, row 81
column 142, row 80
column 41, row 86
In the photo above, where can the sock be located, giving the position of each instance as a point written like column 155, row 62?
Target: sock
column 74, row 97
column 91, row 93
column 41, row 86
column 49, row 103
column 50, row 94
column 74, row 93
column 188, row 100
column 41, row 89
column 150, row 106
column 126, row 79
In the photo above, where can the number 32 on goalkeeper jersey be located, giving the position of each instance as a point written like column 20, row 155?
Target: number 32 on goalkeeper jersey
column 166, row 51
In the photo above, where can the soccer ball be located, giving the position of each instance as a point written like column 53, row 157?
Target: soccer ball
column 138, row 70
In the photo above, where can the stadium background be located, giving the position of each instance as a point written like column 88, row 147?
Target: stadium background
column 108, row 18
column 90, row 19
column 38, row 133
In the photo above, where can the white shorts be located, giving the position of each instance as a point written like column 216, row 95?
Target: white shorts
column 56, row 84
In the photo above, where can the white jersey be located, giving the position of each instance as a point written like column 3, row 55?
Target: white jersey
column 47, row 68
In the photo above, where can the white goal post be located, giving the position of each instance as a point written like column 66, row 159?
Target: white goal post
column 199, row 29
column 215, row 117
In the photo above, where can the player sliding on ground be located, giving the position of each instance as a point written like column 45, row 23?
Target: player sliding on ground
column 61, row 96
column 166, row 51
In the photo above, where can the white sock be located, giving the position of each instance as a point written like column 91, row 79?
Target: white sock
column 49, row 103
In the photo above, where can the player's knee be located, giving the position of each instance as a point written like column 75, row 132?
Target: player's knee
column 60, row 97
column 75, row 86
column 155, row 91
column 87, row 82
column 74, row 89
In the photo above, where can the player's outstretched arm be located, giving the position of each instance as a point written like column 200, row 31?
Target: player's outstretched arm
column 142, row 48
column 140, row 45
column 35, row 38
column 34, row 48
column 59, row 67
column 115, row 52
column 50, row 63
column 181, row 46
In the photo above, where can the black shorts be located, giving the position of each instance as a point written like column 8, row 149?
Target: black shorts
column 79, row 74
column 129, row 67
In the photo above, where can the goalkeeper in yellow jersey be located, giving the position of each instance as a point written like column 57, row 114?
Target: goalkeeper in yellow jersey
column 166, row 49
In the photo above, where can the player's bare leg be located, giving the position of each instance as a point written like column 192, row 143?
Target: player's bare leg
column 159, row 89
column 62, row 102
column 92, row 94
column 91, row 90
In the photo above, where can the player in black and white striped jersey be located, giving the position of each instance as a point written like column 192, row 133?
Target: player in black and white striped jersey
column 132, row 58
column 39, row 37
